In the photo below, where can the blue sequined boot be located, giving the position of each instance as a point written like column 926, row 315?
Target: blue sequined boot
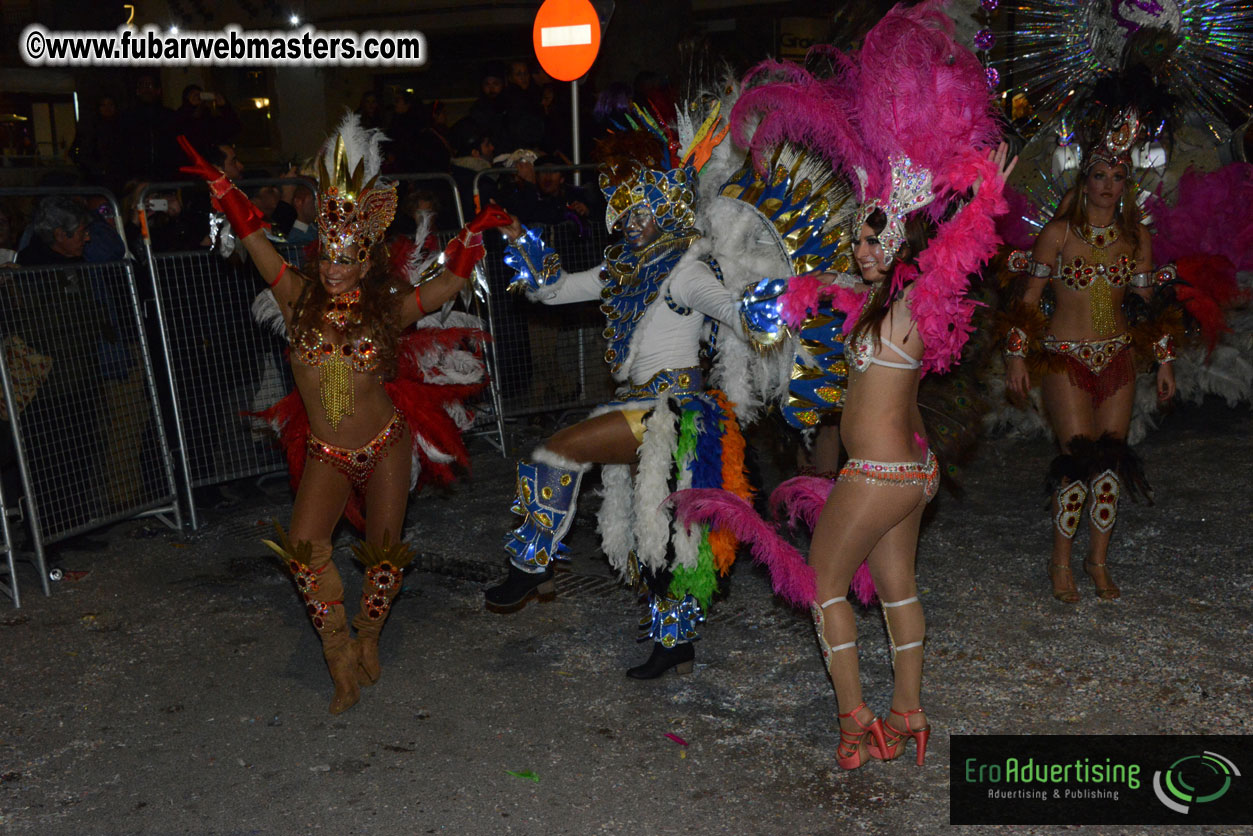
column 547, row 490
column 671, row 624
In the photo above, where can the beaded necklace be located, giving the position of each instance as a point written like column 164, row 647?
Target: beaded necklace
column 337, row 362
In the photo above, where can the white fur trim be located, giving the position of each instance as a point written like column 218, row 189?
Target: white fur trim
column 614, row 522
column 455, row 319
column 747, row 251
column 652, row 486
column 432, row 452
column 542, row 455
column 686, row 543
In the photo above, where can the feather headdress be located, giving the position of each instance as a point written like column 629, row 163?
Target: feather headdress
column 923, row 109
column 657, row 164
column 908, row 118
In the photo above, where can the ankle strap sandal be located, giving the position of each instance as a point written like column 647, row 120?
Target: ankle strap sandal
column 848, row 754
column 896, row 738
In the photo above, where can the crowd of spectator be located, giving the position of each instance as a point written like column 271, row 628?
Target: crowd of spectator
column 517, row 130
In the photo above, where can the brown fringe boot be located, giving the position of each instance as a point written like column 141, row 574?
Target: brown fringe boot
column 320, row 585
column 384, row 574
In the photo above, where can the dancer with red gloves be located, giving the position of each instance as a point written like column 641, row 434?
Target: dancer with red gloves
column 363, row 398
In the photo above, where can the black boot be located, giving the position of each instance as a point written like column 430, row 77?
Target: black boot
column 679, row 657
column 519, row 589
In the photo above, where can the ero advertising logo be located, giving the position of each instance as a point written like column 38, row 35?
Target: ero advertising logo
column 1100, row 779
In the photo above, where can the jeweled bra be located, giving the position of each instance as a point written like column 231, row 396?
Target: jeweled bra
column 336, row 362
column 1098, row 274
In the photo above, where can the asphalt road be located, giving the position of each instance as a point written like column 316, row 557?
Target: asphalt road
column 172, row 685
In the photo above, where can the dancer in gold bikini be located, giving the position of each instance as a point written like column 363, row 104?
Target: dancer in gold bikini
column 1092, row 254
column 363, row 403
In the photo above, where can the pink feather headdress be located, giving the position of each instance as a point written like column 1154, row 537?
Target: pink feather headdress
column 909, row 118
column 923, row 109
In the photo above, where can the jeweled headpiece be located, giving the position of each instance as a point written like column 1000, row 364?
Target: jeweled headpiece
column 1114, row 148
column 649, row 168
column 669, row 195
column 911, row 190
column 353, row 207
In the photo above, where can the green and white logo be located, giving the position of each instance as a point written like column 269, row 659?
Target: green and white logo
column 1194, row 779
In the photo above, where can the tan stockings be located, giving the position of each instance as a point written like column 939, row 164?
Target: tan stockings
column 878, row 523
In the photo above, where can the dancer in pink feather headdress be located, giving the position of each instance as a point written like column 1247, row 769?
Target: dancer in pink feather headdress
column 909, row 118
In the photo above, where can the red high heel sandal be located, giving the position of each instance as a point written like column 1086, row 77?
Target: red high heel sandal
column 894, row 744
column 849, row 754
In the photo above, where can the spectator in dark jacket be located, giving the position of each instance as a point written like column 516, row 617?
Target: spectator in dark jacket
column 206, row 120
column 295, row 218
column 149, row 131
column 523, row 116
column 369, row 111
column 433, row 148
column 409, row 120
column 60, row 226
column 488, row 111
column 101, row 147
column 544, row 197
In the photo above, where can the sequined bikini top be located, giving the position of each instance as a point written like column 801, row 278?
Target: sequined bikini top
column 1080, row 273
column 360, row 353
column 341, row 312
column 861, row 352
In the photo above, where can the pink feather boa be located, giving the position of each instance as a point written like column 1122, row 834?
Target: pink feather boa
column 938, row 286
column 938, row 299
column 804, row 497
column 804, row 293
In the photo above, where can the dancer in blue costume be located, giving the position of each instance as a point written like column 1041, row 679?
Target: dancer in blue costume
column 663, row 299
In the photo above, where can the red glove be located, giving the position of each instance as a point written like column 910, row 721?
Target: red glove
column 244, row 217
column 490, row 218
column 466, row 250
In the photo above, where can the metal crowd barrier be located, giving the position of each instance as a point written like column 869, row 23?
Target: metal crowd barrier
column 10, row 586
column 550, row 359
column 76, row 442
column 80, row 399
column 219, row 366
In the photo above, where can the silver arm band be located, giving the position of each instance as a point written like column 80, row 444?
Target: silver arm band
column 1022, row 261
column 1040, row 270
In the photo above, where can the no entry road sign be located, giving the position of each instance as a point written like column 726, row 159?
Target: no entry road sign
column 566, row 37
